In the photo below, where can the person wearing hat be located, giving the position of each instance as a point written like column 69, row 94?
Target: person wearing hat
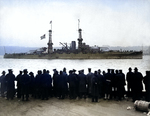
column 113, row 83
column 45, row 84
column 76, row 83
column 138, row 86
column 38, row 84
column 55, row 83
column 130, row 82
column 62, row 80
column 82, row 84
column 18, row 78
column 146, row 81
column 3, row 83
column 89, row 82
column 72, row 85
column 66, row 85
column 32, row 84
column 95, row 87
column 10, row 78
column 25, row 84
column 121, row 84
column 101, row 84
column 108, row 89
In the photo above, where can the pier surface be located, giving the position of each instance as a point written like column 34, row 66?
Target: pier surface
column 66, row 107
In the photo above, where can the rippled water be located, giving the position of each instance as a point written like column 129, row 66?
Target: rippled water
column 103, row 64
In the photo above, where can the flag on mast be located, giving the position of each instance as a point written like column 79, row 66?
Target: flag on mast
column 50, row 22
column 43, row 36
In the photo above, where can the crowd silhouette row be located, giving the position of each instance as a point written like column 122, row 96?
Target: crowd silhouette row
column 107, row 85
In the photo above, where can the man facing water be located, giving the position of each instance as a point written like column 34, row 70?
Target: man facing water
column 10, row 84
column 147, row 86
column 130, row 82
column 2, row 83
column 89, row 82
column 25, row 84
column 138, row 86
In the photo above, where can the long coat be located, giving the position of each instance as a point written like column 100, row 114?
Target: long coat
column 72, row 81
column 46, row 80
column 82, row 83
column 89, row 82
column 95, row 85
column 130, row 79
column 138, row 78
column 3, row 83
column 10, row 78
column 108, row 83
column 25, row 83
column 147, row 86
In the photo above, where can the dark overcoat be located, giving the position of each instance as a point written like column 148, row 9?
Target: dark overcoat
column 95, row 86
column 82, row 83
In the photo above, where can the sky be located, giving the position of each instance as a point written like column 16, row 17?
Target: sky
column 103, row 22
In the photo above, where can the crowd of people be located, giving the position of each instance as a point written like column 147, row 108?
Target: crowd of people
column 95, row 85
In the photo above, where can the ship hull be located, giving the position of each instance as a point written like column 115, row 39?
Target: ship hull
column 103, row 55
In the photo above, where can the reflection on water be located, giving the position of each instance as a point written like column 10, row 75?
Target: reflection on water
column 103, row 64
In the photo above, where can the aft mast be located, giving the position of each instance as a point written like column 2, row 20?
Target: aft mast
column 50, row 44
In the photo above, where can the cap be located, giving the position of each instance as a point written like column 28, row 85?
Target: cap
column 10, row 70
column 31, row 73
column 135, row 68
column 25, row 70
column 70, row 71
column 130, row 68
column 3, row 72
column 54, row 69
column 74, row 70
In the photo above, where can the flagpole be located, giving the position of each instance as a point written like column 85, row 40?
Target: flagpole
column 51, row 25
column 78, row 24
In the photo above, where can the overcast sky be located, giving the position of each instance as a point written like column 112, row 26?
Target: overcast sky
column 104, row 22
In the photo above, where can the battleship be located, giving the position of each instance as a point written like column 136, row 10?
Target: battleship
column 81, row 51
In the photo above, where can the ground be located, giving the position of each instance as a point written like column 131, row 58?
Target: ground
column 67, row 107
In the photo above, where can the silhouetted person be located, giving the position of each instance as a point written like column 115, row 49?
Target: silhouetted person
column 138, row 86
column 113, row 83
column 130, row 82
column 72, row 85
column 147, row 86
column 3, row 83
column 50, row 87
column 121, row 84
column 38, row 88
column 61, row 85
column 25, row 85
column 108, row 84
column 45, row 84
column 66, row 85
column 101, row 84
column 89, row 82
column 82, row 84
column 10, row 78
column 32, row 84
column 95, row 87
column 18, row 79
column 55, row 82
column 76, row 82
